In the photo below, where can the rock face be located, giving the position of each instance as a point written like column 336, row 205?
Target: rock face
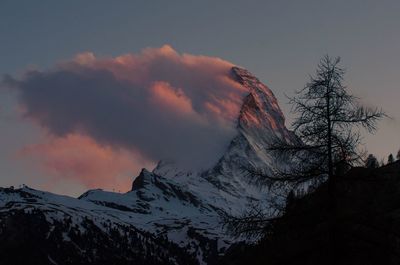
column 171, row 214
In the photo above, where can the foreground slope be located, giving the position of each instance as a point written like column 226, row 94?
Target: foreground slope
column 171, row 214
column 363, row 229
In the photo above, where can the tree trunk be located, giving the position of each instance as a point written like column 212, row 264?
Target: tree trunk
column 331, row 189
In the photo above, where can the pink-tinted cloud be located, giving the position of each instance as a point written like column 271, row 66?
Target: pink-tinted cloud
column 205, row 80
column 169, row 98
column 81, row 159
column 163, row 104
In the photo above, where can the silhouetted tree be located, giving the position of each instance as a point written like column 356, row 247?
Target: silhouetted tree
column 398, row 155
column 327, row 126
column 390, row 159
column 328, row 136
column 371, row 162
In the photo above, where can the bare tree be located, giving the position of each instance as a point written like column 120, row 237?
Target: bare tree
column 328, row 137
column 328, row 123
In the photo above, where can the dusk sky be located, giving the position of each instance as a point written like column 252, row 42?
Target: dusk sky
column 96, row 44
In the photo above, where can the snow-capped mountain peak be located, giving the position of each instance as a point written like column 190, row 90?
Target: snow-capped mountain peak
column 182, row 206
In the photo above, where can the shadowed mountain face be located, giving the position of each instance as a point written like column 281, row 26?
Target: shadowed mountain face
column 29, row 236
column 363, row 228
column 171, row 215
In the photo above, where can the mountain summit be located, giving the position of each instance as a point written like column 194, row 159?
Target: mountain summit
column 170, row 216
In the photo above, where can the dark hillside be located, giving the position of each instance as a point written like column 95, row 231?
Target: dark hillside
column 363, row 229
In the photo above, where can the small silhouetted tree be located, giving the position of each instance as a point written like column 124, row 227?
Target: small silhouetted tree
column 398, row 155
column 371, row 162
column 390, row 159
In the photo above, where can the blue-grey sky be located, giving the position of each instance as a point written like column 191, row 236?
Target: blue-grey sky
column 279, row 41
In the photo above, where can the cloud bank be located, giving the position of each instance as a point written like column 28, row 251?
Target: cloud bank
column 159, row 103
column 81, row 159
